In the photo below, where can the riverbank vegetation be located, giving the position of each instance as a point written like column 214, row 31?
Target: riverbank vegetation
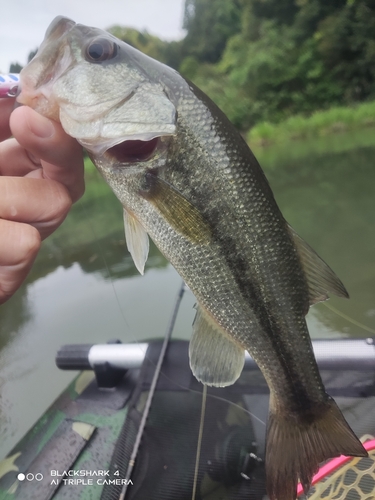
column 318, row 124
column 266, row 62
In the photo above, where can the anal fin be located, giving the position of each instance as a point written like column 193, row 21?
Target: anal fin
column 215, row 358
column 136, row 240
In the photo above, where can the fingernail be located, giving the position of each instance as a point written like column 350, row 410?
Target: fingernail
column 41, row 126
column 35, row 174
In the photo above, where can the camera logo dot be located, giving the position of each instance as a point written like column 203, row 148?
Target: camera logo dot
column 30, row 476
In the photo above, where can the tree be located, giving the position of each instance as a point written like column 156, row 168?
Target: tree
column 209, row 24
column 15, row 67
column 292, row 56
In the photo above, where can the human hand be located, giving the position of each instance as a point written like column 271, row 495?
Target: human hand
column 41, row 175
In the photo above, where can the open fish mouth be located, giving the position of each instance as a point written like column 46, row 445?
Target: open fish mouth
column 133, row 151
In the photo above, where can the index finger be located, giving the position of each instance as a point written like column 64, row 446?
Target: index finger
column 61, row 156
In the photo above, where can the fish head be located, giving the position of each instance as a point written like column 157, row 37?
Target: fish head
column 104, row 92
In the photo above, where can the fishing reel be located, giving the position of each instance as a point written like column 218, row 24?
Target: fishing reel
column 236, row 457
column 236, row 460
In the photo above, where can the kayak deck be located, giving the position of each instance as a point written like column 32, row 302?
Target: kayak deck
column 81, row 446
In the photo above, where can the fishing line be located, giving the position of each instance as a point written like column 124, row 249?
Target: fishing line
column 104, row 260
column 236, row 406
column 199, row 444
column 150, row 396
column 348, row 318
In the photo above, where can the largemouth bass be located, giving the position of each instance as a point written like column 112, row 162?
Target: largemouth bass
column 187, row 179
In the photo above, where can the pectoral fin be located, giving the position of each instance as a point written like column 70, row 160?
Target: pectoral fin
column 215, row 358
column 320, row 277
column 180, row 213
column 136, row 240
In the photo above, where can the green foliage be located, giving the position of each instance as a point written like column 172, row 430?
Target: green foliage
column 320, row 123
column 287, row 151
column 281, row 11
column 218, row 87
column 189, row 67
column 262, row 134
column 347, row 45
column 286, row 57
column 209, row 24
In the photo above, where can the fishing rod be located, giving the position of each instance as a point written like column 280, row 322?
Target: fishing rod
column 150, row 396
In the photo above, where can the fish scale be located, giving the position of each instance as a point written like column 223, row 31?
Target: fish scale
column 187, row 179
column 225, row 310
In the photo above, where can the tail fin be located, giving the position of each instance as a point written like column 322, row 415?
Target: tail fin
column 294, row 449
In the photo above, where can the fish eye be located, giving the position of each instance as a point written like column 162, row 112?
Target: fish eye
column 101, row 49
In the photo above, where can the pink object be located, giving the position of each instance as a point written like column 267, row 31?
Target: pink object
column 9, row 85
column 332, row 465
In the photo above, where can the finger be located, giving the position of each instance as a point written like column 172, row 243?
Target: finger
column 41, row 203
column 19, row 245
column 61, row 155
column 15, row 160
column 6, row 107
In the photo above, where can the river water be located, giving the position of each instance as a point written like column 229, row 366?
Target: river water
column 84, row 287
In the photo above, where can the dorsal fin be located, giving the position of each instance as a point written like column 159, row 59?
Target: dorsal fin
column 215, row 358
column 320, row 277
